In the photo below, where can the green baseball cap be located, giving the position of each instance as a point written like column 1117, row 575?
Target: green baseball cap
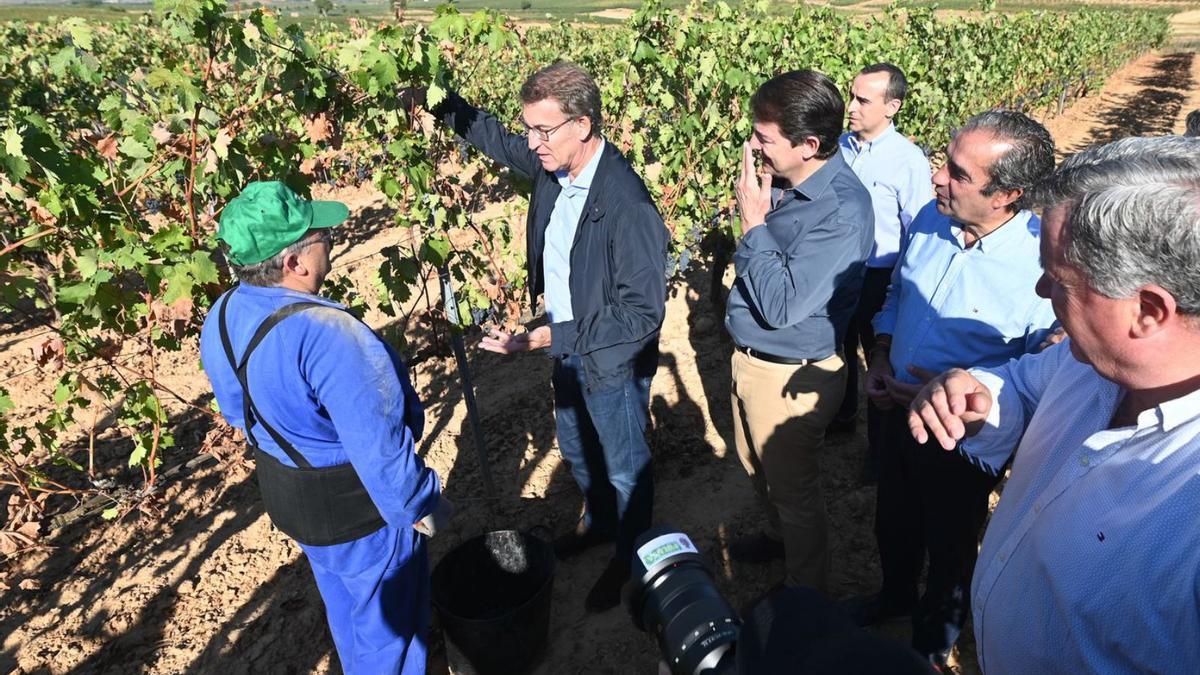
column 269, row 216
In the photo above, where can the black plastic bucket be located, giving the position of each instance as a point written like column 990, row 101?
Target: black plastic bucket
column 493, row 595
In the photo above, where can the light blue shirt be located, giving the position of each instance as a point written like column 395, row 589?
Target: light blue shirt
column 898, row 176
column 1091, row 560
column 560, row 237
column 950, row 306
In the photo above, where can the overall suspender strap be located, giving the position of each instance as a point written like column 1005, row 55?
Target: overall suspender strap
column 317, row 506
column 250, row 412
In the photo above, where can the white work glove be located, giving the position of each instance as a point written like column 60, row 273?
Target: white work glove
column 437, row 520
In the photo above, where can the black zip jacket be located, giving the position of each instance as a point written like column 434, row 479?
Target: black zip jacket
column 618, row 258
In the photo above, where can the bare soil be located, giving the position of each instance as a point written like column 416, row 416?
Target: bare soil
column 206, row 584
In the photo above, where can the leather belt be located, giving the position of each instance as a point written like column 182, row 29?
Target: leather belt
column 772, row 358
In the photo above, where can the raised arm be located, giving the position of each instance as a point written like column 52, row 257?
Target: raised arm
column 486, row 133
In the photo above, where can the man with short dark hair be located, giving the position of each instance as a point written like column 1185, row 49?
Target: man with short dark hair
column 1091, row 560
column 597, row 249
column 799, row 268
column 897, row 174
column 961, row 295
column 329, row 411
column 1193, row 124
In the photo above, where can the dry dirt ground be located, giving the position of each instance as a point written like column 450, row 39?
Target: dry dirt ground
column 207, row 585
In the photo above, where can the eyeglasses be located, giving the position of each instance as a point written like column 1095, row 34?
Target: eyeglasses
column 543, row 135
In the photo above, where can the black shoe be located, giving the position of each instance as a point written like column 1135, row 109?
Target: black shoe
column 606, row 592
column 577, row 541
column 870, row 610
column 840, row 426
column 756, row 548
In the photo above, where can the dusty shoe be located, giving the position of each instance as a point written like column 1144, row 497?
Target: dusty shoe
column 579, row 540
column 756, row 548
column 606, row 592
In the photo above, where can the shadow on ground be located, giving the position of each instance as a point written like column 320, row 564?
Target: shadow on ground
column 1151, row 110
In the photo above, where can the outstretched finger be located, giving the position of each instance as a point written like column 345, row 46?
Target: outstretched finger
column 492, row 345
column 933, row 420
column 916, row 426
column 747, row 162
column 938, row 398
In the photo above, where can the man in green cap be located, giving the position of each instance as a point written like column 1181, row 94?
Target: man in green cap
column 332, row 418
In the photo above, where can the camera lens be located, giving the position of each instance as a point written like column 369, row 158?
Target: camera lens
column 672, row 595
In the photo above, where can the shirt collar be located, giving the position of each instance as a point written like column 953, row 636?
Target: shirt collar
column 858, row 146
column 1016, row 229
column 1177, row 411
column 812, row 187
column 584, row 180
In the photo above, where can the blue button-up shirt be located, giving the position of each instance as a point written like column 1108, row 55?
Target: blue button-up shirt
column 950, row 306
column 1091, row 560
column 560, row 237
column 898, row 176
column 799, row 274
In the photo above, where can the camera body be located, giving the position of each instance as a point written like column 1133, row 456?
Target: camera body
column 672, row 594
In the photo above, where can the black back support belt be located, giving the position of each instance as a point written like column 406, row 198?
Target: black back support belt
column 316, row 506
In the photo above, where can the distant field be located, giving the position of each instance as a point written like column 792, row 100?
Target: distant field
column 599, row 11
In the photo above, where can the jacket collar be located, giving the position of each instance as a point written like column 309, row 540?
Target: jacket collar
column 605, row 164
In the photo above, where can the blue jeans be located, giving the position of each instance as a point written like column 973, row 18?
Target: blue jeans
column 602, row 435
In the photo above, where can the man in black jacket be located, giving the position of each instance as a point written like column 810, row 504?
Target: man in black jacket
column 597, row 250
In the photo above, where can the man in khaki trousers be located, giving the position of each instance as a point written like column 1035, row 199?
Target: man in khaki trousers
column 807, row 229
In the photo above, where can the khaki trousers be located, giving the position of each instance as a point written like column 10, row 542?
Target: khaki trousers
column 780, row 413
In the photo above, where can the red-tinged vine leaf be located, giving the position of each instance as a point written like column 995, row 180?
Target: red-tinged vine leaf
column 39, row 212
column 161, row 134
column 30, row 585
column 51, row 352
column 318, row 128
column 182, row 308
column 107, row 147
column 309, row 166
column 491, row 289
